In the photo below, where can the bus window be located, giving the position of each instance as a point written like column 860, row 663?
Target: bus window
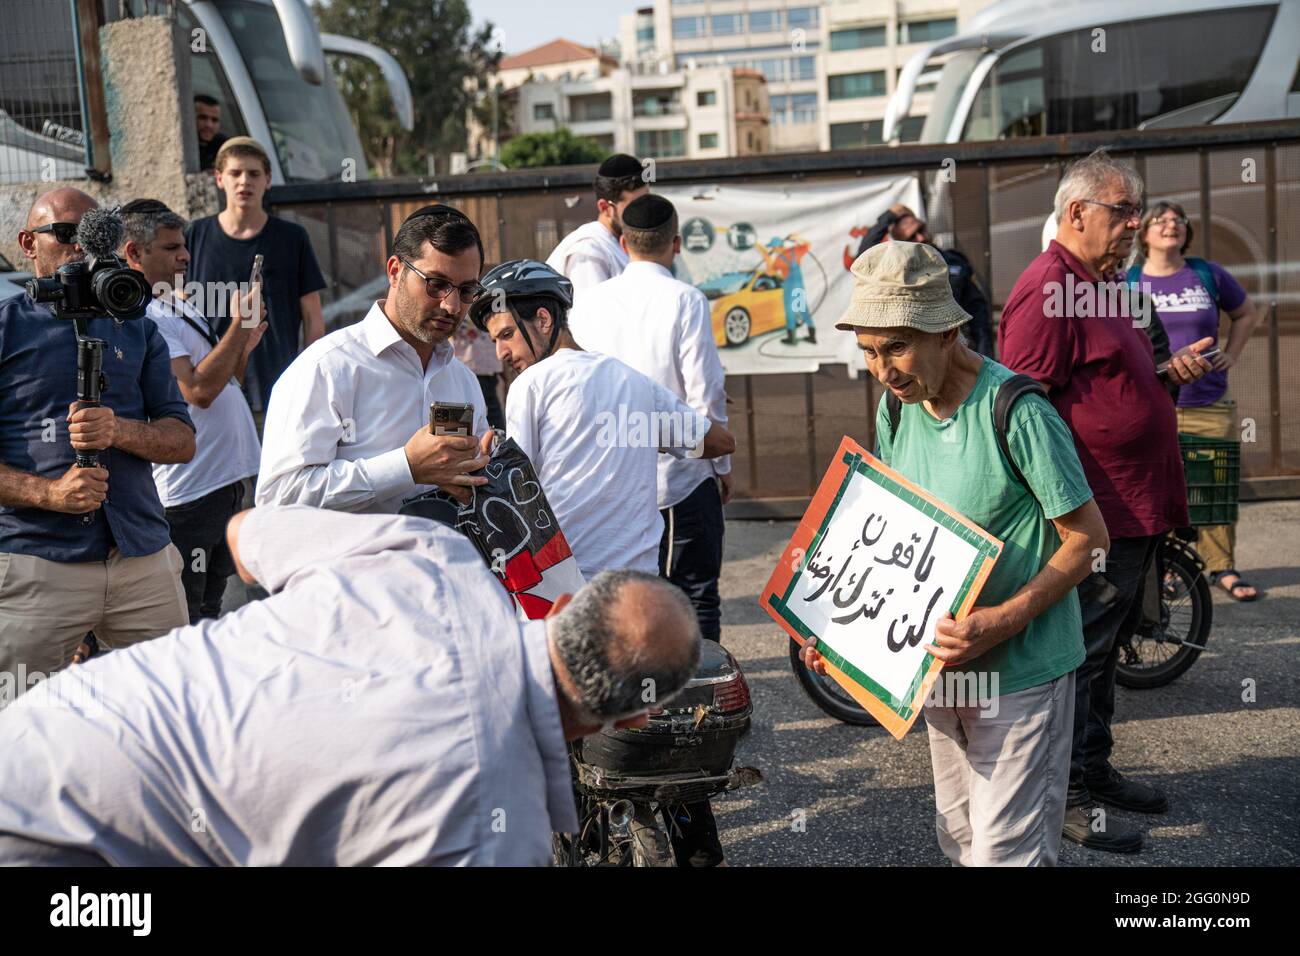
column 1011, row 102
column 1186, row 69
column 208, row 78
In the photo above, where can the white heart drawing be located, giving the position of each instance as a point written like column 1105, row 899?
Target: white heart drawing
column 516, row 489
column 543, row 520
column 495, row 474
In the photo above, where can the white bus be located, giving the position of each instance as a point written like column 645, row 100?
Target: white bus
column 1038, row 68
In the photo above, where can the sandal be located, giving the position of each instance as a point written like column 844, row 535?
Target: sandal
column 1239, row 583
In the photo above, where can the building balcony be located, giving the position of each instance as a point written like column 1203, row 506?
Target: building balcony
column 653, row 107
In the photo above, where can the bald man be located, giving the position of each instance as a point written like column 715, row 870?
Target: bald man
column 51, row 225
column 384, row 705
column 81, row 549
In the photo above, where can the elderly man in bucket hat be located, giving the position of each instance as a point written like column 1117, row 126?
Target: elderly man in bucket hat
column 1001, row 762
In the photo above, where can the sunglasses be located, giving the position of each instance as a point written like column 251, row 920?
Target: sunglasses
column 64, row 232
column 439, row 288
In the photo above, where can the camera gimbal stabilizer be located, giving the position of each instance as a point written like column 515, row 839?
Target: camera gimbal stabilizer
column 86, row 289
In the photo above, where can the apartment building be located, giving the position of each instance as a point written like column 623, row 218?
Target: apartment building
column 653, row 112
column 830, row 65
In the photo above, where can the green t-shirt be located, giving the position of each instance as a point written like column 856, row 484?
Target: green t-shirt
column 958, row 461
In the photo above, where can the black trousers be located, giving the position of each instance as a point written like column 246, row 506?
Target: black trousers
column 690, row 555
column 690, row 552
column 1111, row 602
column 198, row 529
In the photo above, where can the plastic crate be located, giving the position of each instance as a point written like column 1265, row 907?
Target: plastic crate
column 1213, row 469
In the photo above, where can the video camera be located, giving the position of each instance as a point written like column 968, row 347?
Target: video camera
column 100, row 284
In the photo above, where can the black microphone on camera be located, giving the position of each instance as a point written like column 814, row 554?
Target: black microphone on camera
column 100, row 233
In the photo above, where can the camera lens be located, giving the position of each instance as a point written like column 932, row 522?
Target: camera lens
column 123, row 293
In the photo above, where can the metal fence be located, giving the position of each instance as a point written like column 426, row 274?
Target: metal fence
column 42, row 109
column 1240, row 186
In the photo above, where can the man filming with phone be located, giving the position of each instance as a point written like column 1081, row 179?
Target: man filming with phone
column 201, row 495
column 348, row 427
column 81, row 549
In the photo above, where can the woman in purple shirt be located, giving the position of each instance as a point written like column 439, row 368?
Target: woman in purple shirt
column 1189, row 311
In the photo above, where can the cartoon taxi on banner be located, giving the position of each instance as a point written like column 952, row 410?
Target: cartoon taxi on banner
column 768, row 299
column 744, row 304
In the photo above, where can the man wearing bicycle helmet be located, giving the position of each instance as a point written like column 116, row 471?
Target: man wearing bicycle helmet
column 592, row 426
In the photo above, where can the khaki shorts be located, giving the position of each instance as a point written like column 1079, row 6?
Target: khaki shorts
column 1000, row 776
column 47, row 607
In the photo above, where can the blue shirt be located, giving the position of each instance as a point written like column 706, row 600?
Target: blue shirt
column 38, row 379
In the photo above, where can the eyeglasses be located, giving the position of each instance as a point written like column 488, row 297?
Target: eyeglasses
column 439, row 288
column 1169, row 221
column 1126, row 210
column 64, row 232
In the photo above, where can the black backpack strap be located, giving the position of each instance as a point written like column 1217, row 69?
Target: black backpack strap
column 894, row 407
column 1008, row 393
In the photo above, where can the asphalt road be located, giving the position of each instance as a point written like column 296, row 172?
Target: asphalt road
column 1230, row 768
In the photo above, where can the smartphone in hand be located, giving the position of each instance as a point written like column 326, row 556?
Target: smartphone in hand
column 451, row 418
column 1209, row 355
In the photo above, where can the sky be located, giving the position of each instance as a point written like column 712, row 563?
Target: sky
column 524, row 24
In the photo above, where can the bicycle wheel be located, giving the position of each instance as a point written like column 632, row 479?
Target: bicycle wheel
column 1160, row 652
column 828, row 695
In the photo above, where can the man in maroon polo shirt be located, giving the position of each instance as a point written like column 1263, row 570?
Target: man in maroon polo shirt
column 1070, row 324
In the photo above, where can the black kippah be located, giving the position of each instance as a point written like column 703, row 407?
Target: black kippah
column 438, row 209
column 143, row 206
column 647, row 212
column 620, row 166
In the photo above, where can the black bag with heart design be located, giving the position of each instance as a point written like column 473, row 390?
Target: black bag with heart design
column 515, row 529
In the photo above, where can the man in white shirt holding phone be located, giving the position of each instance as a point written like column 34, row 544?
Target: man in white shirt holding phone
column 348, row 426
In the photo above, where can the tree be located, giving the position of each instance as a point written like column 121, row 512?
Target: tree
column 560, row 148
column 443, row 56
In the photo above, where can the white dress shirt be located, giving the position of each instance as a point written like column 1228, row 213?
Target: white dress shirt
column 383, row 706
column 341, row 415
column 580, row 417
column 225, row 438
column 663, row 328
column 588, row 256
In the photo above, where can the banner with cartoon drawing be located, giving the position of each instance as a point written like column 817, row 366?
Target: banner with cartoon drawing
column 774, row 263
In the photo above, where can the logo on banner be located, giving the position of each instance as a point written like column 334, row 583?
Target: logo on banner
column 742, row 236
column 697, row 235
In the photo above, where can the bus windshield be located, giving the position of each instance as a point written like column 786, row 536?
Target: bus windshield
column 313, row 132
column 947, row 95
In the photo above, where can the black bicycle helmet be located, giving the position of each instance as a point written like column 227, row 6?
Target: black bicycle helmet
column 516, row 279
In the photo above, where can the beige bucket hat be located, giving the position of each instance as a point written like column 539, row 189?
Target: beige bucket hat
column 902, row 285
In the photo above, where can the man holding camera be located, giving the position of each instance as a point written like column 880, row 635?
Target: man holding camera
column 348, row 424
column 81, row 549
column 201, row 495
